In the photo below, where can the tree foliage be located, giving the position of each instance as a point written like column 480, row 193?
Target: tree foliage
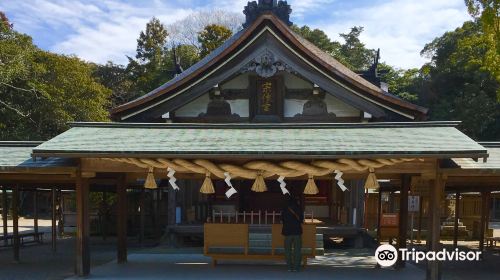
column 352, row 52
column 211, row 37
column 459, row 86
column 40, row 92
column 146, row 68
column 488, row 13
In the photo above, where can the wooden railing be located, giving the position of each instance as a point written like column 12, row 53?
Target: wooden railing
column 253, row 217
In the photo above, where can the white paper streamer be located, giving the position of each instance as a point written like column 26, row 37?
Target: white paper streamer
column 340, row 181
column 283, row 185
column 231, row 190
column 172, row 179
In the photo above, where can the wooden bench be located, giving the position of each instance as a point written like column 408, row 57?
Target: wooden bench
column 35, row 238
column 234, row 238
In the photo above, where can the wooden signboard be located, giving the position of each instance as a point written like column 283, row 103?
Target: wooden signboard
column 389, row 226
column 267, row 102
column 389, row 220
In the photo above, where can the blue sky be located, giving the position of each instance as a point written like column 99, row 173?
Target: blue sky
column 102, row 30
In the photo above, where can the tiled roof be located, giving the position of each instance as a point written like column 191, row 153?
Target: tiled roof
column 17, row 155
column 492, row 163
column 247, row 140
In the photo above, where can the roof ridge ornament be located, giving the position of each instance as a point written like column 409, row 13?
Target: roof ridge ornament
column 279, row 8
column 266, row 65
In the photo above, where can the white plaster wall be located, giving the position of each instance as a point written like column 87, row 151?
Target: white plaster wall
column 333, row 104
column 294, row 82
column 194, row 108
column 238, row 82
column 199, row 105
column 339, row 108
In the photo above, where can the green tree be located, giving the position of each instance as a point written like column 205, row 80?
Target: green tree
column 211, row 37
column 405, row 83
column 41, row 92
column 488, row 13
column 116, row 78
column 4, row 20
column 458, row 86
column 356, row 55
column 147, row 67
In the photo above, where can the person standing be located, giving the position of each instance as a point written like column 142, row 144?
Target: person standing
column 292, row 218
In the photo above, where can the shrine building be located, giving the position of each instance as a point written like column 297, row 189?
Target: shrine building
column 220, row 146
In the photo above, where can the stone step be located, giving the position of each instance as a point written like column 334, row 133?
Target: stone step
column 259, row 250
column 261, row 236
column 268, row 243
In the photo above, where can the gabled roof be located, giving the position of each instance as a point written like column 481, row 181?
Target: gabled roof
column 355, row 140
column 318, row 59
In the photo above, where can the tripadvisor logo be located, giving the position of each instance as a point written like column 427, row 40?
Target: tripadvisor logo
column 386, row 255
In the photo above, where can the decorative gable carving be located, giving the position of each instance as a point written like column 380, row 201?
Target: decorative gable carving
column 266, row 65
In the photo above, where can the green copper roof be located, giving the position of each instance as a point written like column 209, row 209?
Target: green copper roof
column 436, row 139
column 493, row 162
column 17, row 155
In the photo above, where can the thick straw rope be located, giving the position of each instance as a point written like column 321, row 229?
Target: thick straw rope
column 268, row 169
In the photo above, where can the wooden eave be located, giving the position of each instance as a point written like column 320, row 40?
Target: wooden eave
column 314, row 55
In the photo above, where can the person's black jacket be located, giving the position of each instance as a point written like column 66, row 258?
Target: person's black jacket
column 292, row 218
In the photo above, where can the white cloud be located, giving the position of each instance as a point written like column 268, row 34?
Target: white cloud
column 400, row 28
column 102, row 30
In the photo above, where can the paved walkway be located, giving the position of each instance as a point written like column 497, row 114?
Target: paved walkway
column 352, row 265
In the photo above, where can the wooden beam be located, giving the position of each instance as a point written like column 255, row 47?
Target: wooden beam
column 455, row 225
column 435, row 270
column 97, row 165
column 50, row 178
column 82, row 226
column 403, row 216
column 121, row 193
column 35, row 213
column 485, row 199
column 15, row 221
column 5, row 211
column 54, row 225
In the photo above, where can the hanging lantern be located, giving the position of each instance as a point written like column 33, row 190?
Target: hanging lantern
column 259, row 185
column 371, row 181
column 311, row 187
column 150, row 182
column 207, row 187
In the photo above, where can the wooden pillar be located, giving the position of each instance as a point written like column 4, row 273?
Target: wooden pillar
column 121, row 193
column 104, row 217
column 142, row 216
column 54, row 216
column 455, row 226
column 158, row 213
column 420, row 214
column 171, row 206
column 15, row 221
column 35, row 214
column 82, row 226
column 484, row 219
column 379, row 214
column 403, row 216
column 5, row 211
column 436, row 191
column 60, row 223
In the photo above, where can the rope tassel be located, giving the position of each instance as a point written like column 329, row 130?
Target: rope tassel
column 207, row 187
column 371, row 180
column 311, row 187
column 150, row 182
column 259, row 185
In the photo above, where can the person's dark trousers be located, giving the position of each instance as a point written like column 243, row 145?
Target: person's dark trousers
column 293, row 258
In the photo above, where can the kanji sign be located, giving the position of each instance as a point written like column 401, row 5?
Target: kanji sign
column 413, row 203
